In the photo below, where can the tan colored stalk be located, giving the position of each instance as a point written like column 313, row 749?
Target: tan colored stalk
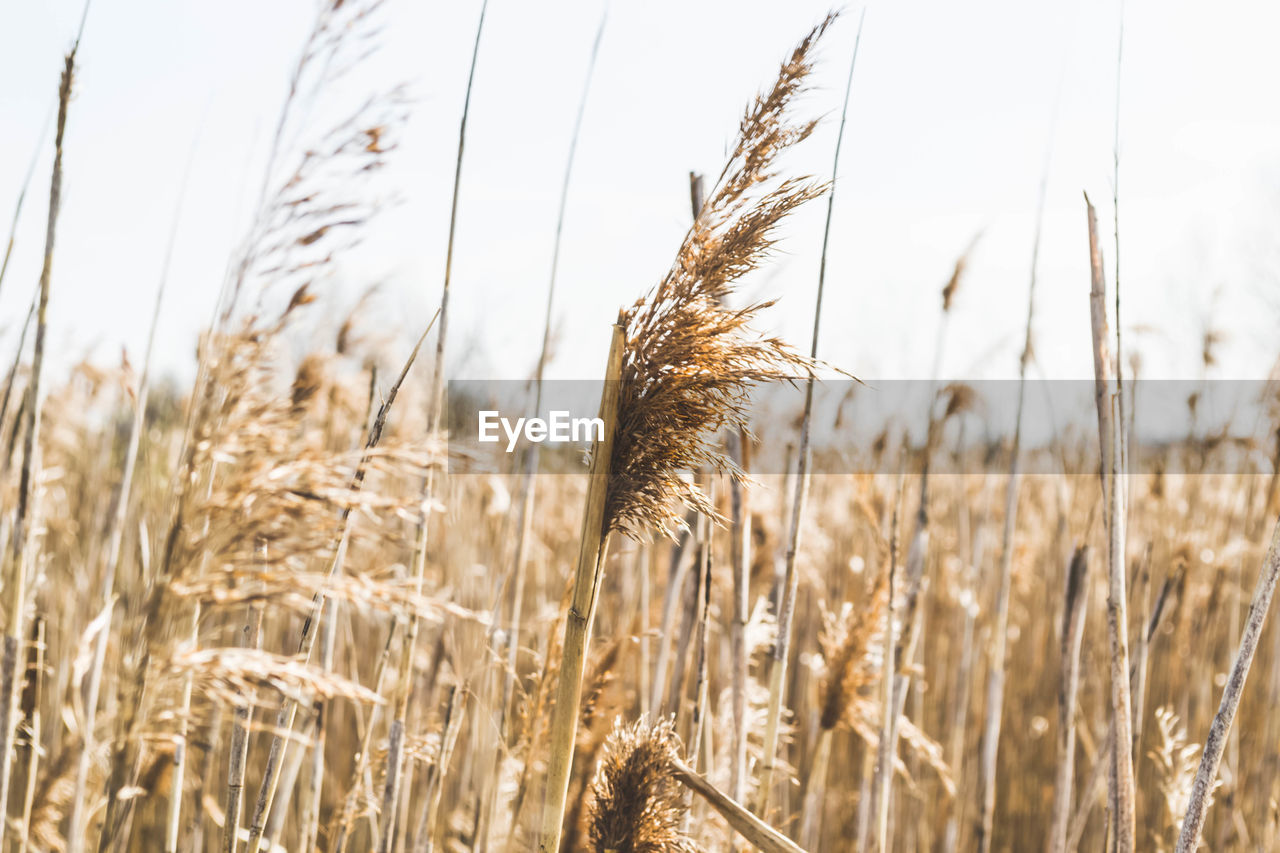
column 1122, row 787
column 250, row 637
column 960, row 715
column 10, row 676
column 917, row 555
column 700, row 691
column 174, row 825
column 740, row 557
column 999, row 640
column 1123, row 442
column 294, row 754
column 816, row 790
column 528, row 479
column 435, row 789
column 437, row 374
column 762, row 836
column 1141, row 654
column 395, row 742
column 310, row 819
column 791, row 579
column 686, row 637
column 593, row 545
column 311, row 808
column 362, row 757
column 403, row 689
column 1103, row 762
column 676, row 580
column 886, row 748
column 914, row 608
column 33, row 744
column 1074, row 612
column 1215, row 743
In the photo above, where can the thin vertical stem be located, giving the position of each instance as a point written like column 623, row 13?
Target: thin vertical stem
column 33, row 742
column 251, row 638
column 790, row 583
column 886, row 746
column 528, row 478
column 1110, row 430
column 437, row 376
column 999, row 639
column 1215, row 743
column 586, row 589
column 1074, row 613
column 22, row 529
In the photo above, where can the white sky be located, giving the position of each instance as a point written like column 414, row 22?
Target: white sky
column 948, row 127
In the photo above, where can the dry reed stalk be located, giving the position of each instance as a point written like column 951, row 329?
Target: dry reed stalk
column 758, row 833
column 999, row 641
column 677, row 577
column 1074, row 612
column 1141, row 655
column 435, row 789
column 528, row 487
column 437, row 372
column 740, row 560
column 577, row 633
column 917, row 555
column 1102, row 764
column 310, row 820
column 23, row 546
column 960, row 714
column 250, row 638
column 1215, row 743
column 1122, row 786
column 700, row 702
column 685, row 638
column 881, row 787
column 347, row 814
column 34, row 751
column 294, row 754
column 815, row 790
column 740, row 565
column 174, row 827
column 403, row 687
column 790, row 583
column 1123, row 442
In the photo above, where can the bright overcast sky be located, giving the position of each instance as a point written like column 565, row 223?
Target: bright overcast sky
column 949, row 125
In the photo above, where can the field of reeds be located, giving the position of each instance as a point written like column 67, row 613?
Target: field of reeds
column 288, row 607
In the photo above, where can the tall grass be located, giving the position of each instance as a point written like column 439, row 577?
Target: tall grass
column 226, row 626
